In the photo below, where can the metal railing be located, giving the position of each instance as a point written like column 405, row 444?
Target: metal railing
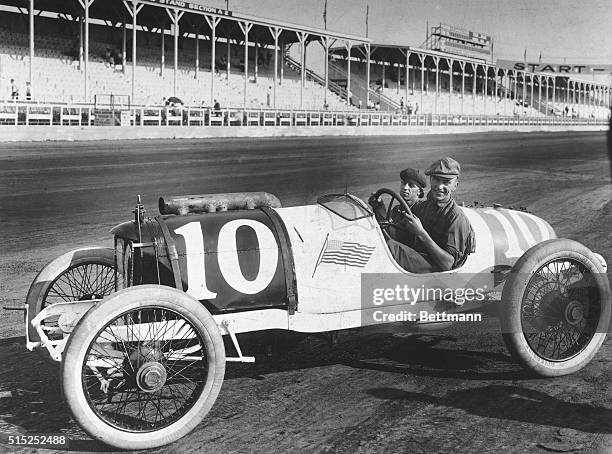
column 12, row 113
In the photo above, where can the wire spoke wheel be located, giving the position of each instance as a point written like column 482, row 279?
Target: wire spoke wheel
column 150, row 365
column 81, row 282
column 143, row 367
column 561, row 309
column 556, row 307
column 79, row 275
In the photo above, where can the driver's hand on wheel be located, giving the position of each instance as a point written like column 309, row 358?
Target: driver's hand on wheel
column 373, row 201
column 412, row 223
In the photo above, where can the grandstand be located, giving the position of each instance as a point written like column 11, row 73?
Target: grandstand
column 57, row 69
column 395, row 72
column 147, row 52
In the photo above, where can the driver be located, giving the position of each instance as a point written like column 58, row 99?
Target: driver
column 437, row 235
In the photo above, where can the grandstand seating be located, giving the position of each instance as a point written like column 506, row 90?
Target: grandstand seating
column 57, row 76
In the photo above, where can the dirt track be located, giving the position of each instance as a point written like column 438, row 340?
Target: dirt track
column 452, row 391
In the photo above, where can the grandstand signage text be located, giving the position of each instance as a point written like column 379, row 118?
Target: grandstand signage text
column 560, row 68
column 192, row 6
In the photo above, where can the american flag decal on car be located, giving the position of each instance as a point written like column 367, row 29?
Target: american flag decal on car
column 344, row 253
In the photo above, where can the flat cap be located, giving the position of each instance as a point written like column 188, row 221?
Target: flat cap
column 445, row 167
column 415, row 175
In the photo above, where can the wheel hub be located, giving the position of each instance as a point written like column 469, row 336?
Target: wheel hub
column 151, row 377
column 574, row 313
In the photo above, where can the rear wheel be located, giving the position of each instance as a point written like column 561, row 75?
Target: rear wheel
column 556, row 308
column 82, row 274
column 143, row 367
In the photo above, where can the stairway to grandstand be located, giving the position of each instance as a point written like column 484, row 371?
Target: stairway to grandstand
column 358, row 89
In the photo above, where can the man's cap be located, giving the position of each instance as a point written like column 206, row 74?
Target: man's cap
column 415, row 175
column 445, row 168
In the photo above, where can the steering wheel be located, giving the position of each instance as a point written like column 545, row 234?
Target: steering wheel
column 386, row 222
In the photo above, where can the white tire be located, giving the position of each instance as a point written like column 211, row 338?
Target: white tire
column 126, row 342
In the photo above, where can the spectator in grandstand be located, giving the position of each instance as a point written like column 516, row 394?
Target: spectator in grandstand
column 268, row 96
column 416, row 108
column 436, row 235
column 14, row 90
column 28, row 91
column 377, row 106
column 402, row 105
column 566, row 111
column 217, row 108
column 359, row 104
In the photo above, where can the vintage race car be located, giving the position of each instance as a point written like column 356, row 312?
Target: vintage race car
column 139, row 329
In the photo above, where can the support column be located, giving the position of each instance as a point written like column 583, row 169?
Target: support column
column 302, row 39
column 175, row 17
column 540, row 94
column 367, row 47
column 229, row 55
column 422, row 59
column 349, row 45
column 163, row 49
column 196, row 31
column 275, row 31
column 282, row 67
column 547, row 109
column 81, row 24
column 324, row 40
column 450, row 85
column 504, row 81
column 86, row 4
column 213, row 22
column 554, row 97
column 407, row 52
column 399, row 73
column 246, row 27
column 531, row 97
column 31, row 16
column 134, row 9
column 437, row 62
column 124, row 48
column 494, row 97
column 475, row 68
column 256, row 57
column 462, row 65
column 486, row 76
column 524, row 90
column 382, row 87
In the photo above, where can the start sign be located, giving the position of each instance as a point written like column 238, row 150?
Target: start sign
column 557, row 68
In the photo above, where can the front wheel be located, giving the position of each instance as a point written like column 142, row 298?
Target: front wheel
column 556, row 308
column 143, row 367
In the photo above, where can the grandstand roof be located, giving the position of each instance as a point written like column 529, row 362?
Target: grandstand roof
column 394, row 52
column 152, row 16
